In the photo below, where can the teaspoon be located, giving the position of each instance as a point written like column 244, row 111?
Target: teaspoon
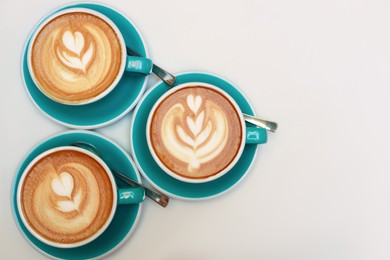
column 160, row 198
column 158, row 71
column 269, row 125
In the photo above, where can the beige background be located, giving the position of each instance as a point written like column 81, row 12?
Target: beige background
column 318, row 190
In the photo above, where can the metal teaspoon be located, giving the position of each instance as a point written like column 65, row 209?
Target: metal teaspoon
column 159, row 198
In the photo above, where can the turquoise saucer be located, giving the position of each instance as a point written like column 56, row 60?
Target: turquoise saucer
column 112, row 107
column 126, row 216
column 161, row 180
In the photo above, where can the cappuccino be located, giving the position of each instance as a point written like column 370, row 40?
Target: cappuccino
column 195, row 132
column 75, row 57
column 66, row 197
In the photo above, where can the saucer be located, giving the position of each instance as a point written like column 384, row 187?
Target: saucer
column 126, row 216
column 107, row 110
column 150, row 169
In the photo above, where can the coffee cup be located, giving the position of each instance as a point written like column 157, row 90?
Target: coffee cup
column 196, row 132
column 78, row 55
column 67, row 197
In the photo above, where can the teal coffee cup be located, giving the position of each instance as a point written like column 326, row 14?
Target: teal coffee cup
column 67, row 197
column 77, row 56
column 196, row 132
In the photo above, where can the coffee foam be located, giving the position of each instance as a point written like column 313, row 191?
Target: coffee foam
column 196, row 132
column 67, row 197
column 75, row 57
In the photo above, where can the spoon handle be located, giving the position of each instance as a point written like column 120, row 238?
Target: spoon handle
column 161, row 199
column 271, row 126
column 164, row 75
column 158, row 71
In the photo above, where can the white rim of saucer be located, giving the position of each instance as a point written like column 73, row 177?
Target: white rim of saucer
column 172, row 195
column 13, row 209
column 25, row 49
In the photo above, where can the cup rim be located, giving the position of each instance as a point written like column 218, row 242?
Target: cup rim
column 56, row 14
column 79, row 243
column 172, row 173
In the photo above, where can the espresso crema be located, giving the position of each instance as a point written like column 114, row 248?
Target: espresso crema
column 75, row 57
column 66, row 197
column 196, row 132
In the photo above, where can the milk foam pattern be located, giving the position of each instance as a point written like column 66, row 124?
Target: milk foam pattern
column 68, row 195
column 203, row 135
column 63, row 186
column 72, row 56
column 76, row 57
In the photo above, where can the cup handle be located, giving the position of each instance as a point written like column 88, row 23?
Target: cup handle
column 131, row 195
column 139, row 65
column 256, row 135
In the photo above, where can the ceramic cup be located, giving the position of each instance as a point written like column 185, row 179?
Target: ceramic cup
column 249, row 135
column 64, row 189
column 128, row 64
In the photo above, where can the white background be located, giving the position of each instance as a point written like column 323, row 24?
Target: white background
column 318, row 190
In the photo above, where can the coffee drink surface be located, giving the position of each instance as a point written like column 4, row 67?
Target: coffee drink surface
column 75, row 57
column 66, row 197
column 196, row 132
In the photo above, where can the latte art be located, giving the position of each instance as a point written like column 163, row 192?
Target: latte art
column 63, row 186
column 195, row 132
column 71, row 56
column 75, row 57
column 67, row 197
column 204, row 138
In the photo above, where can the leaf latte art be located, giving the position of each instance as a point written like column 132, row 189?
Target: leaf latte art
column 195, row 132
column 74, row 44
column 75, row 57
column 67, row 196
column 204, row 140
column 63, row 186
